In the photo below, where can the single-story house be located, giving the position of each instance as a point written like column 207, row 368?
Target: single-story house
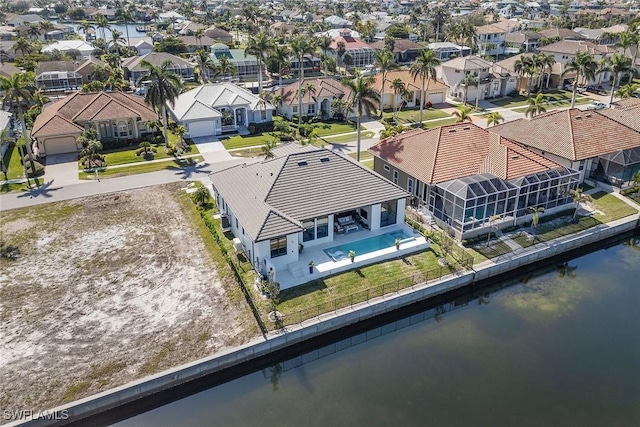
column 215, row 108
column 435, row 91
column 281, row 206
column 218, row 34
column 464, row 175
column 133, row 68
column 111, row 114
column 602, row 145
column 404, row 50
column 85, row 49
column 313, row 104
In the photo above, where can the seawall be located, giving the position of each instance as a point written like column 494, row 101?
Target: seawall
column 326, row 323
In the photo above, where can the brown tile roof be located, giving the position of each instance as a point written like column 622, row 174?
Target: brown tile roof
column 570, row 47
column 399, row 45
column 563, row 33
column 325, row 87
column 572, row 134
column 85, row 107
column 627, row 113
column 489, row 29
column 456, row 151
column 405, row 76
column 56, row 125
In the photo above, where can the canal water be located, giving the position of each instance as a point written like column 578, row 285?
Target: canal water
column 557, row 348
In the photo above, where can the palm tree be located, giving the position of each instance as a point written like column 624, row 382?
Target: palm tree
column 116, row 39
column 425, row 67
column 301, row 46
column 546, row 61
column 627, row 91
column 164, row 87
column 536, row 105
column 126, row 16
column 16, row 91
column 628, row 40
column 362, row 99
column 616, row 64
column 206, row 66
column 535, row 220
column 46, row 26
column 494, row 118
column 384, row 62
column 585, row 67
column 578, row 197
column 90, row 153
column 225, row 67
column 280, row 54
column 199, row 35
column 259, row 46
column 324, row 44
column 341, row 49
column 492, row 226
column 103, row 24
column 439, row 16
column 201, row 195
column 399, row 88
column 23, row 45
column 463, row 114
column 85, row 26
column 268, row 146
column 39, row 100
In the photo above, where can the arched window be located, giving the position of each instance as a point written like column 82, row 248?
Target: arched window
column 122, row 129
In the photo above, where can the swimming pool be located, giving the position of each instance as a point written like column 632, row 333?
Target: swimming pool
column 365, row 246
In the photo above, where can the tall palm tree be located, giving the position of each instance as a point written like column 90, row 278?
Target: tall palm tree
column 546, row 61
column 103, row 24
column 616, row 64
column 85, row 26
column 463, row 114
column 164, row 87
column 494, row 118
column 399, row 88
column 324, row 44
column 46, row 26
column 125, row 16
column 199, row 34
column 206, row 65
column 300, row 46
column 260, row 45
column 536, row 105
column 23, row 45
column 630, row 39
column 384, row 62
column 425, row 68
column 439, row 16
column 280, row 54
column 116, row 40
column 585, row 67
column 16, row 91
column 578, row 197
column 225, row 67
column 362, row 99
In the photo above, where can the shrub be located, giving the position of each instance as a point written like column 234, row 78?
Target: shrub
column 389, row 120
column 428, row 104
column 631, row 190
column 260, row 127
column 39, row 168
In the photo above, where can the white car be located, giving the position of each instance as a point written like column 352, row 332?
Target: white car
column 595, row 105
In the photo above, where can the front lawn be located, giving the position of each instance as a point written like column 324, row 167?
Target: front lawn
column 12, row 161
column 560, row 97
column 438, row 123
column 348, row 138
column 334, row 128
column 169, row 163
column 413, row 115
column 482, row 252
column 244, row 141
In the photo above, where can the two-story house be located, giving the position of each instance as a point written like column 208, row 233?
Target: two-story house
column 490, row 40
column 472, row 78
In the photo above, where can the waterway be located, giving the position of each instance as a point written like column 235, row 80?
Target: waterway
column 557, row 348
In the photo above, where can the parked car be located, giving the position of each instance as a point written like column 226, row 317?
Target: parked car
column 595, row 105
column 569, row 87
column 595, row 89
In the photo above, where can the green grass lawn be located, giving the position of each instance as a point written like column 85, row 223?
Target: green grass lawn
column 134, row 169
column 561, row 104
column 520, row 100
column 413, row 115
column 347, row 138
column 482, row 252
column 12, row 161
column 610, row 207
column 239, row 141
column 334, row 128
column 364, row 155
column 439, row 123
column 7, row 188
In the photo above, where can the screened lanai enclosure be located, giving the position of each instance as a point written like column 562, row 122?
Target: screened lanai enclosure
column 618, row 168
column 466, row 205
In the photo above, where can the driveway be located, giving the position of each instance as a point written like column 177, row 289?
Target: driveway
column 62, row 169
column 212, row 149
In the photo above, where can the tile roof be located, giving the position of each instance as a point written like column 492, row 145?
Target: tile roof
column 85, row 107
column 489, row 29
column 627, row 113
column 214, row 96
column 563, row 33
column 405, row 76
column 572, row 134
column 349, row 43
column 272, row 197
column 467, row 63
column 456, row 151
column 570, row 47
column 399, row 45
column 156, row 59
column 325, row 87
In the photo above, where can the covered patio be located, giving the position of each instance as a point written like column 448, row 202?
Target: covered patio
column 298, row 273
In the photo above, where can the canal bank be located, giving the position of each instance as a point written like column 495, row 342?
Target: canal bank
column 230, row 363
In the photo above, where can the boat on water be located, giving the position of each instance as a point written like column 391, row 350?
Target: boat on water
column 142, row 28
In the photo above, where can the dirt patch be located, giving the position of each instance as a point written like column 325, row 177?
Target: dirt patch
column 107, row 289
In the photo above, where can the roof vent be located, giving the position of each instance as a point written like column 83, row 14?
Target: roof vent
column 587, row 115
column 452, row 130
column 302, row 163
column 578, row 117
column 324, row 159
column 466, row 128
column 516, row 157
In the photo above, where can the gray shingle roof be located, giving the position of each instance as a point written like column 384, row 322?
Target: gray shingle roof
column 272, row 197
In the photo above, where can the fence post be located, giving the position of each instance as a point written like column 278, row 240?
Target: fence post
column 383, row 289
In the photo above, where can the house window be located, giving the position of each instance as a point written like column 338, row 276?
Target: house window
column 388, row 213
column 309, row 232
column 395, row 177
column 322, row 224
column 581, row 165
column 295, row 109
column 122, row 129
column 386, row 168
column 263, row 115
column 236, row 222
column 409, row 185
column 278, row 247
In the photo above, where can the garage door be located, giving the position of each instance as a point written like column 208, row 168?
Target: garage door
column 202, row 128
column 436, row 98
column 60, row 145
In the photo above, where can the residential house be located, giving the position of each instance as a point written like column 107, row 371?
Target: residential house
column 404, row 51
column 143, row 47
column 607, row 36
column 284, row 215
column 490, row 40
column 470, row 78
column 601, row 145
column 218, row 34
column 465, row 175
column 194, row 43
column 564, row 51
column 65, row 75
column 111, row 114
column 20, row 20
column 133, row 68
column 337, row 22
column 85, row 49
column 447, row 50
column 560, row 34
column 310, row 65
column 360, row 53
column 7, row 70
column 319, row 103
column 435, row 91
column 216, row 108
column 522, row 41
column 246, row 65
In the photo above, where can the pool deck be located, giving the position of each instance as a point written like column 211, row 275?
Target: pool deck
column 297, row 272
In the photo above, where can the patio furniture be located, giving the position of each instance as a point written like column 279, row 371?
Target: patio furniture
column 346, row 220
column 351, row 227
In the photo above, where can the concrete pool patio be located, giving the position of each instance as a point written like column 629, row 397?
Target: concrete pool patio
column 297, row 272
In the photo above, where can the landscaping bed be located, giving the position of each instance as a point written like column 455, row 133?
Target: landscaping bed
column 108, row 289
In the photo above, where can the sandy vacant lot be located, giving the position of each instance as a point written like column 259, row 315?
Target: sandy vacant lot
column 108, row 289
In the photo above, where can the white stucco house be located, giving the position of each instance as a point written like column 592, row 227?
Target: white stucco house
column 300, row 205
column 472, row 77
column 216, row 108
